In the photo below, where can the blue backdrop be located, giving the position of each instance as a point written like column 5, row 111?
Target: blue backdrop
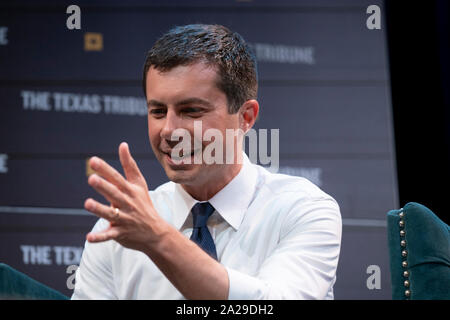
column 324, row 83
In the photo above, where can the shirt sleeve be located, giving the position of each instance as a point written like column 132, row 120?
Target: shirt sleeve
column 303, row 264
column 93, row 278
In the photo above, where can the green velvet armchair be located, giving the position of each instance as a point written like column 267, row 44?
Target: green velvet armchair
column 15, row 285
column 419, row 251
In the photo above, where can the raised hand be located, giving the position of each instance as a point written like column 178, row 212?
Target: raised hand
column 134, row 222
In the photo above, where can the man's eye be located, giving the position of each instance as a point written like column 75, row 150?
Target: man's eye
column 157, row 111
column 191, row 110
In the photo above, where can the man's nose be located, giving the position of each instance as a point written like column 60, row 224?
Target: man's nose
column 171, row 123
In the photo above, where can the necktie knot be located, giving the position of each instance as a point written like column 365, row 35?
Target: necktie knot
column 201, row 211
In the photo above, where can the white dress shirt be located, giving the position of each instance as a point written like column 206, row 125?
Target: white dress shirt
column 278, row 237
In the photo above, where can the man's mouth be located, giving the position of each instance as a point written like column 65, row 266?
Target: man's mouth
column 178, row 157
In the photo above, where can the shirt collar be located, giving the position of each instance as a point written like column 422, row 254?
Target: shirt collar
column 231, row 202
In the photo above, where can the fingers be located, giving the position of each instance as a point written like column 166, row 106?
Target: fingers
column 108, row 173
column 130, row 166
column 109, row 191
column 106, row 212
column 108, row 234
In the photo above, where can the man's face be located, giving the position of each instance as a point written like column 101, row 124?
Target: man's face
column 176, row 98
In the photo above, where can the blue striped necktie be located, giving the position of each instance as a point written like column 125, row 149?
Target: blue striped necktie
column 201, row 211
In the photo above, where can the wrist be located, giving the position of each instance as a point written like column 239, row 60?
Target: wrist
column 162, row 233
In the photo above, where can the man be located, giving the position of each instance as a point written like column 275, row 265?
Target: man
column 222, row 230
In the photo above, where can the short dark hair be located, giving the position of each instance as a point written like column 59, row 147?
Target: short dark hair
column 215, row 45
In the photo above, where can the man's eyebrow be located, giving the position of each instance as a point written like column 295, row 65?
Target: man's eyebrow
column 155, row 103
column 195, row 101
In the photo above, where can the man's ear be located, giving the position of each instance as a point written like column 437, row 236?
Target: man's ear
column 248, row 114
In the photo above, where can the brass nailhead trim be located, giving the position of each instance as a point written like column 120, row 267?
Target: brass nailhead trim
column 404, row 253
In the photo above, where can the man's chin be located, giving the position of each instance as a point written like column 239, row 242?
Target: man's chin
column 181, row 173
column 182, row 176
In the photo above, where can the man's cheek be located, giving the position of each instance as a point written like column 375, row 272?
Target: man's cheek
column 154, row 145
